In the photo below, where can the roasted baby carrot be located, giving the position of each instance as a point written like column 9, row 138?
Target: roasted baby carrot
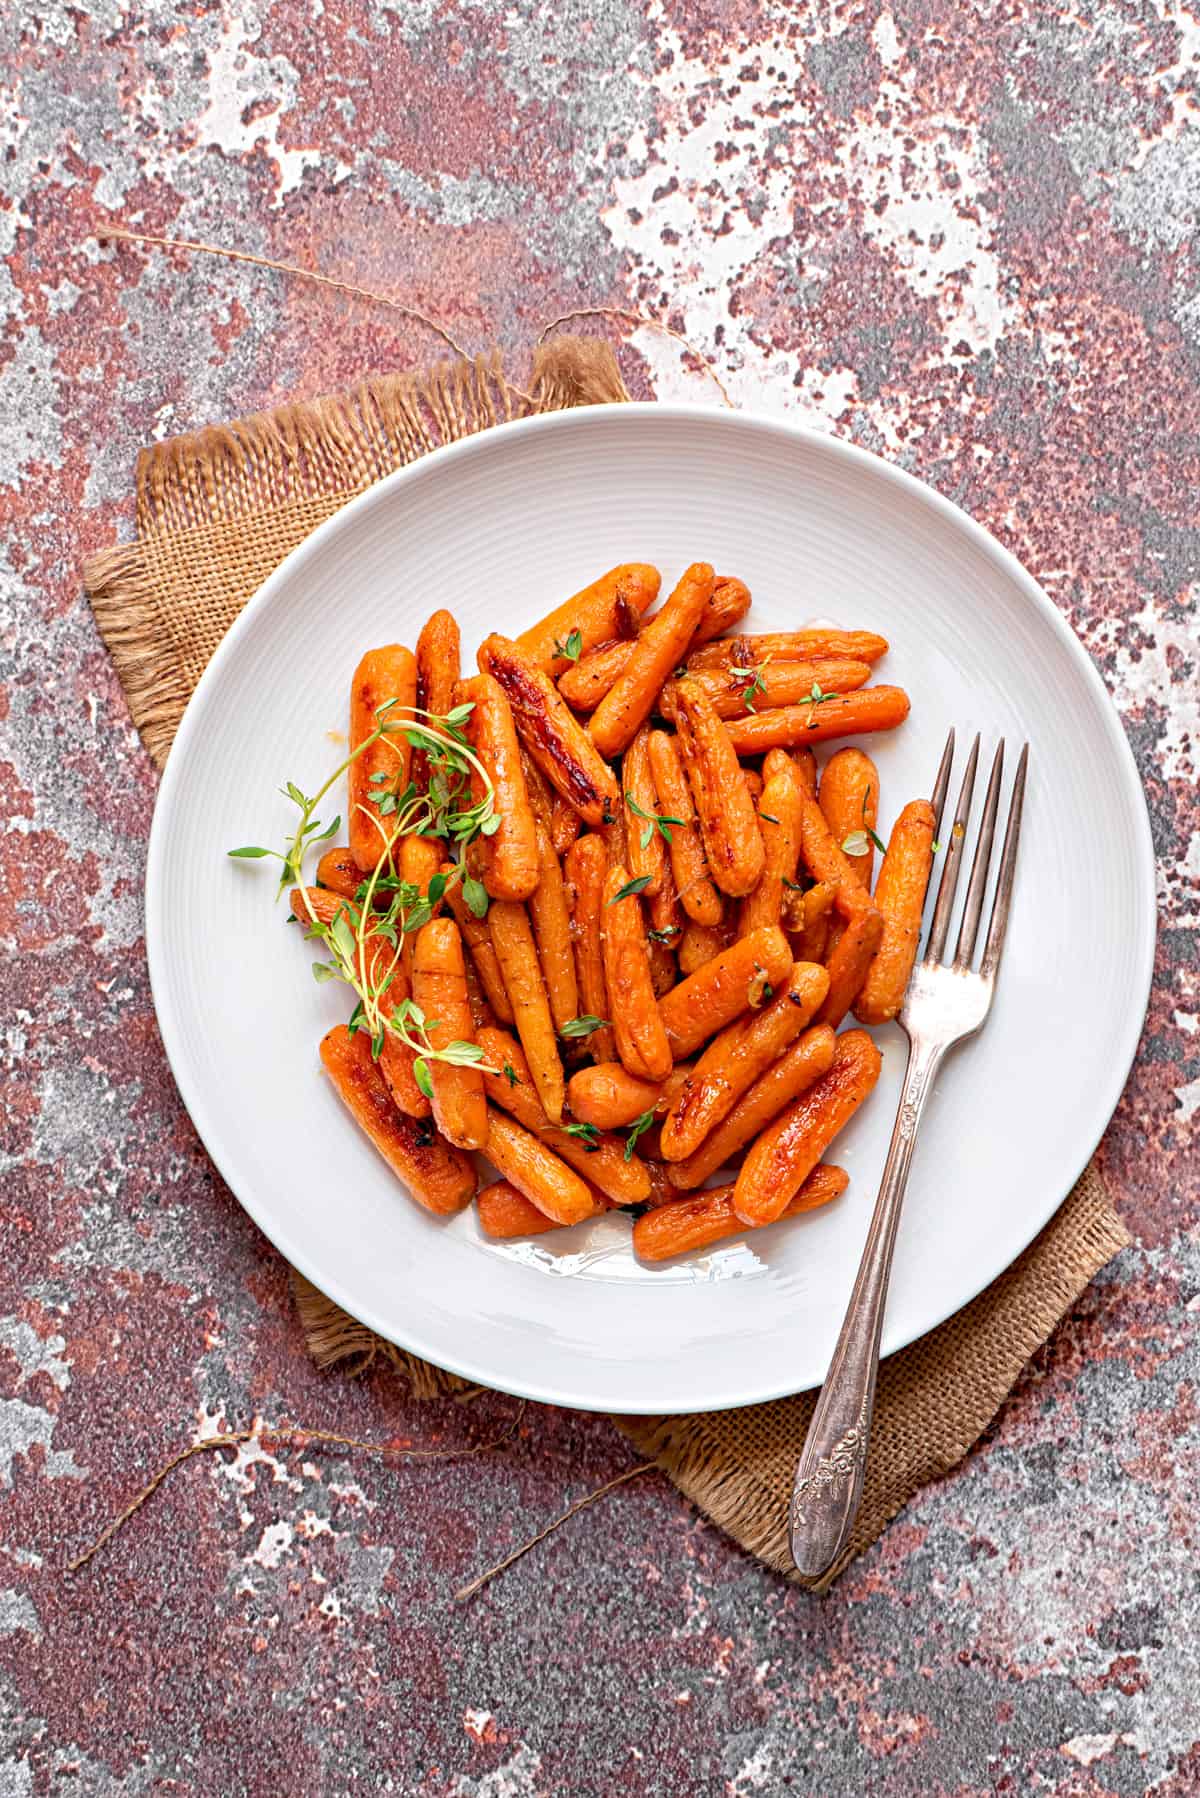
column 779, row 820
column 439, row 1177
column 816, row 906
column 389, row 673
column 791, row 646
column 586, row 866
column 700, row 942
column 595, row 612
column 738, row 692
column 419, row 859
column 787, row 1152
column 513, row 942
column 646, row 847
column 736, row 1057
column 728, row 606
column 708, row 1217
column 505, row 1213
column 338, row 870
column 557, row 742
column 551, row 923
column 697, row 894
column 810, row 1056
column 565, row 824
column 849, row 798
column 833, row 715
column 584, row 684
column 733, row 844
column 900, row 896
column 806, row 769
column 439, row 987
column 822, row 854
column 640, row 1036
column 535, row 1170
column 598, row 1156
column 477, row 937
column 723, row 988
column 477, row 999
column 438, row 667
column 850, row 961
column 630, row 699
column 509, row 857
column 608, row 1096
column 664, row 969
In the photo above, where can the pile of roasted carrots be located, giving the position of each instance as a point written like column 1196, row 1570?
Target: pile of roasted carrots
column 633, row 974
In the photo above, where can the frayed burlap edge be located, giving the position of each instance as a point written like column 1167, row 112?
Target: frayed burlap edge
column 163, row 603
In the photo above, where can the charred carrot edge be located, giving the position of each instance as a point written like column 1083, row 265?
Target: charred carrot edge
column 510, row 856
column 849, row 798
column 338, row 870
column 584, row 684
column 439, row 1177
column 728, row 606
column 645, row 847
column 775, row 684
column 552, row 931
column 513, row 942
column 791, row 646
column 505, row 1213
column 716, row 993
column 594, row 612
column 440, row 989
column 438, row 668
column 850, row 962
column 736, row 1057
column 779, row 815
column 900, row 896
column 600, row 1159
column 851, row 715
column 630, row 699
column 810, row 1056
column 586, row 867
column 729, row 824
column 535, row 1170
column 786, row 1153
column 476, row 936
column 697, row 894
column 386, row 673
column 640, row 1036
column 708, row 1217
column 557, row 742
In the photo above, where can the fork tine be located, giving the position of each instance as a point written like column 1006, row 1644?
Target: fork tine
column 969, row 928
column 940, row 785
column 1004, row 883
column 954, row 850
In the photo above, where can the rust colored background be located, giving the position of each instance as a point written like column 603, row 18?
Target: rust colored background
column 964, row 236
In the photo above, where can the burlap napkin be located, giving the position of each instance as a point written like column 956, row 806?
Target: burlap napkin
column 216, row 512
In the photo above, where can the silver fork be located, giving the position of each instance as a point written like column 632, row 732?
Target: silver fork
column 945, row 1002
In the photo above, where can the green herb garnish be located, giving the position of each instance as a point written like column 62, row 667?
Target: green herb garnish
column 660, row 821
column 588, row 1135
column 572, row 649
column 630, row 889
column 582, row 1026
column 638, row 1128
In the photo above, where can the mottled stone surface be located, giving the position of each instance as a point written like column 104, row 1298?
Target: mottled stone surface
column 964, row 236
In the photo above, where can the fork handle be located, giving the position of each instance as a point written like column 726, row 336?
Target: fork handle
column 829, row 1476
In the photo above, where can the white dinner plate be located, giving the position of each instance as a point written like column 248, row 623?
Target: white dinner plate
column 500, row 528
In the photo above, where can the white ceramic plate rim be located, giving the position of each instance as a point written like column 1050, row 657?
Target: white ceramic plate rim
column 1108, row 1091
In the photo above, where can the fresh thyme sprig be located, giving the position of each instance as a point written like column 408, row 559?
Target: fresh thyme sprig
column 572, row 649
column 814, row 698
column 654, row 821
column 639, row 1127
column 753, row 678
column 859, row 841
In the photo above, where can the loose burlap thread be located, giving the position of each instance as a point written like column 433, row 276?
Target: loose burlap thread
column 217, row 511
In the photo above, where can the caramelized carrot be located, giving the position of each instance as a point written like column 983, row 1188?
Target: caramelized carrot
column 512, row 939
column 817, row 905
column 754, row 783
column 584, row 684
column 595, row 612
column 419, row 859
column 728, row 606
column 477, row 999
column 544, row 1178
column 599, row 1157
column 631, row 698
column 565, row 824
column 505, row 1213
column 810, row 1056
column 850, row 961
column 509, row 857
column 736, row 1057
column 806, row 769
column 477, row 937
column 700, row 942
column 900, row 896
column 438, row 668
column 825, row 858
column 729, row 826
column 664, row 969
column 608, row 1096
column 439, row 1177
column 586, row 867
column 440, row 989
column 556, row 741
column 790, row 646
column 849, row 798
column 552, row 930
column 708, row 1217
column 723, row 988
column 383, row 674
column 779, row 821
column 338, row 870
column 644, row 839
column 849, row 715
column 697, row 894
column 641, row 1039
column 736, row 692
column 787, row 1152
